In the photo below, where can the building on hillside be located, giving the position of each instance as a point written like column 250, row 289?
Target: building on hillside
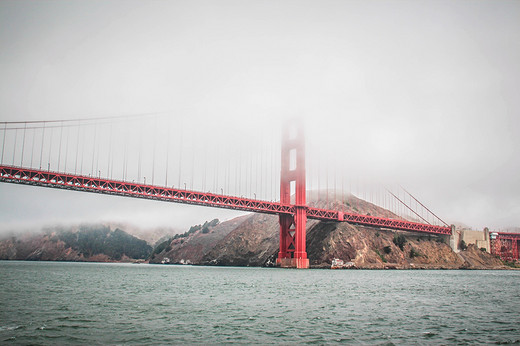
column 467, row 236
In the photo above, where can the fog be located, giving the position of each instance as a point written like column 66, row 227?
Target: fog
column 419, row 94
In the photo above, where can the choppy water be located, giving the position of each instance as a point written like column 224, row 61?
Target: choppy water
column 88, row 303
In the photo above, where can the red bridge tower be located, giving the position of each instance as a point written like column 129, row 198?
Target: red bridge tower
column 292, row 226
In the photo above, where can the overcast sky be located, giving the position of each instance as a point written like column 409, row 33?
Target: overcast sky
column 425, row 94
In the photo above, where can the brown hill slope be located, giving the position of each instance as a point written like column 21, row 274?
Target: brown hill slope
column 37, row 247
column 474, row 258
column 255, row 243
column 367, row 247
column 192, row 248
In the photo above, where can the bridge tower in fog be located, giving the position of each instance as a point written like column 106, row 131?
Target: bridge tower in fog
column 293, row 226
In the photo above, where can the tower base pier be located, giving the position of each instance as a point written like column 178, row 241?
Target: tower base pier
column 300, row 263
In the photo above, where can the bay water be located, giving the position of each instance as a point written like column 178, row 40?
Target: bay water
column 108, row 303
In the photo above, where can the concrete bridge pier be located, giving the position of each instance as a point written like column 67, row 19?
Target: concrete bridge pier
column 454, row 239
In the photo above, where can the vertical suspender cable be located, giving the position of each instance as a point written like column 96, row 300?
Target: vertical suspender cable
column 239, row 165
column 167, row 150
column 32, row 147
column 223, row 187
column 262, row 169
column 97, row 171
column 335, row 172
column 154, row 146
column 141, row 130
column 109, row 156
column 327, row 183
column 66, row 150
column 180, row 155
column 378, row 195
column 319, row 176
column 59, row 150
column 235, row 162
column 215, row 181
column 124, row 154
column 273, row 198
column 264, row 165
column 399, row 205
column 93, row 150
column 83, row 145
column 15, row 137
column 266, row 162
column 77, row 150
column 250, row 175
column 256, row 171
column 342, row 188
column 112, row 159
column 3, row 142
column 192, row 160
column 41, row 149
column 23, row 143
column 205, row 163
column 228, row 175
column 50, row 150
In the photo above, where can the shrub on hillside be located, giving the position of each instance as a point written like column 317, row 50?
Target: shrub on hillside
column 414, row 253
column 400, row 240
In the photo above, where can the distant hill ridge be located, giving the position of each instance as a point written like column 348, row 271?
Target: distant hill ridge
column 97, row 243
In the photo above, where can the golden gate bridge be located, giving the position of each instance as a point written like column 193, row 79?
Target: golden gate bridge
column 110, row 156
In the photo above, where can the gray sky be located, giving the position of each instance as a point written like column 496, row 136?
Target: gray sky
column 423, row 94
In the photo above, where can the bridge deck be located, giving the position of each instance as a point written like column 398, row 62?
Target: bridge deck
column 507, row 235
column 20, row 175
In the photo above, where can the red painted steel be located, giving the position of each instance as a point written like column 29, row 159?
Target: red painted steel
column 367, row 220
column 123, row 188
column 293, row 227
column 20, row 175
column 505, row 245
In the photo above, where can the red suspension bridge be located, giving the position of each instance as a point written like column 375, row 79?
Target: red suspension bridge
column 62, row 149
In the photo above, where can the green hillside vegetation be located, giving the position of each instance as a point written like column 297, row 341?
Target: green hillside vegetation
column 91, row 240
column 205, row 229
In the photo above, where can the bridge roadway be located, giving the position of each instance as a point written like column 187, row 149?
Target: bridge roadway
column 30, row 176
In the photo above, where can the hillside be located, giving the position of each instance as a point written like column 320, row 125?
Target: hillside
column 151, row 235
column 95, row 243
column 252, row 240
column 193, row 246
